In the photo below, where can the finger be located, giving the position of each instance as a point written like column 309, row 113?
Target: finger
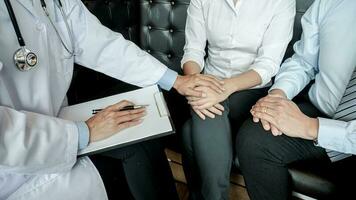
column 255, row 119
column 194, row 93
column 266, row 117
column 190, row 98
column 212, row 86
column 215, row 111
column 129, row 112
column 204, row 106
column 119, row 105
column 265, row 125
column 198, row 102
column 219, row 106
column 201, row 115
column 275, row 131
column 126, row 118
column 212, row 79
column 264, row 109
column 269, row 100
column 207, row 113
column 129, row 124
column 266, row 104
column 273, row 98
column 209, row 81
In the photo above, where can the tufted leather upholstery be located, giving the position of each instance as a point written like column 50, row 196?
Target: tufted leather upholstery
column 157, row 26
column 162, row 28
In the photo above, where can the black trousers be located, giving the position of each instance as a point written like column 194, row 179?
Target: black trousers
column 264, row 158
column 208, row 146
column 139, row 171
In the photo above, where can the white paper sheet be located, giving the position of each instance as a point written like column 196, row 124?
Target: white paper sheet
column 155, row 123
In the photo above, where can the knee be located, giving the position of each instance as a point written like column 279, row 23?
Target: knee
column 250, row 142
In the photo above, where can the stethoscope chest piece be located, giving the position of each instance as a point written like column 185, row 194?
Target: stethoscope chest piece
column 25, row 59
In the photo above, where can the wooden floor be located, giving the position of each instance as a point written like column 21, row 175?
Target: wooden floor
column 237, row 186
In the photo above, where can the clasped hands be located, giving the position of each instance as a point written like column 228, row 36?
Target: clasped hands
column 206, row 103
column 282, row 116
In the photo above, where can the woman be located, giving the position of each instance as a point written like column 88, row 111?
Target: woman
column 246, row 43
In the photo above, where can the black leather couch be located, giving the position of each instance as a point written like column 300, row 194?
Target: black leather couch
column 157, row 26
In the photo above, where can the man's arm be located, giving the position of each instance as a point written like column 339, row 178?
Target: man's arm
column 297, row 71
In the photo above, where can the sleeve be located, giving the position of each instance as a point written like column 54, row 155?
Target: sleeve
column 84, row 134
column 275, row 42
column 297, row 71
column 31, row 143
column 337, row 135
column 195, row 35
column 168, row 79
column 103, row 50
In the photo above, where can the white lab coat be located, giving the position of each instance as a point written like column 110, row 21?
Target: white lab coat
column 38, row 152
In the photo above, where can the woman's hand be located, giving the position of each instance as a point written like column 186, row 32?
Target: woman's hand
column 211, row 98
column 217, row 109
column 111, row 120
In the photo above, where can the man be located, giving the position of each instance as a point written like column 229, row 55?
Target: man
column 326, row 53
column 38, row 152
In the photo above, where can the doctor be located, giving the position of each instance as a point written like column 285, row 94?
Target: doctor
column 38, row 152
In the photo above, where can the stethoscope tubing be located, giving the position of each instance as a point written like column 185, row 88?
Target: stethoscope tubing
column 44, row 7
column 20, row 39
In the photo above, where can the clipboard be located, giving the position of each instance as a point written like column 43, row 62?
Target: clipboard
column 157, row 123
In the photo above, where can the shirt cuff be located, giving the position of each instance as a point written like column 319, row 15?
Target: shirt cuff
column 331, row 134
column 83, row 131
column 167, row 80
column 286, row 88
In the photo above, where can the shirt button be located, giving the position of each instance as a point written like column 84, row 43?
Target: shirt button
column 40, row 26
column 80, row 51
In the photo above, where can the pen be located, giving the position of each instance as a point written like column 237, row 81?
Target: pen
column 130, row 107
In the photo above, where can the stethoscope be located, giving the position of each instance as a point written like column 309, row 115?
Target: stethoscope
column 24, row 58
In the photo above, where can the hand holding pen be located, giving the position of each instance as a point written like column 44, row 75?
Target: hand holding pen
column 129, row 107
column 114, row 118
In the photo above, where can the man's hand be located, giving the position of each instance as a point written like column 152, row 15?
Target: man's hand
column 266, row 125
column 211, row 98
column 110, row 120
column 185, row 85
column 286, row 117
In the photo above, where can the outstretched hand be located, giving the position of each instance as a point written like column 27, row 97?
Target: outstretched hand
column 186, row 85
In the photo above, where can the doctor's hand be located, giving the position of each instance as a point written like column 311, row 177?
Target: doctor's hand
column 111, row 120
column 185, row 85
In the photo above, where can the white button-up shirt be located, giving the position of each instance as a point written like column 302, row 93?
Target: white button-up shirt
column 326, row 53
column 253, row 34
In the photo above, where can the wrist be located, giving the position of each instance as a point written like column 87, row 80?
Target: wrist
column 312, row 127
column 178, row 82
column 278, row 92
column 230, row 86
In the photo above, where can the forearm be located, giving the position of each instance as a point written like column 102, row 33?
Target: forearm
column 243, row 81
column 44, row 144
column 191, row 67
